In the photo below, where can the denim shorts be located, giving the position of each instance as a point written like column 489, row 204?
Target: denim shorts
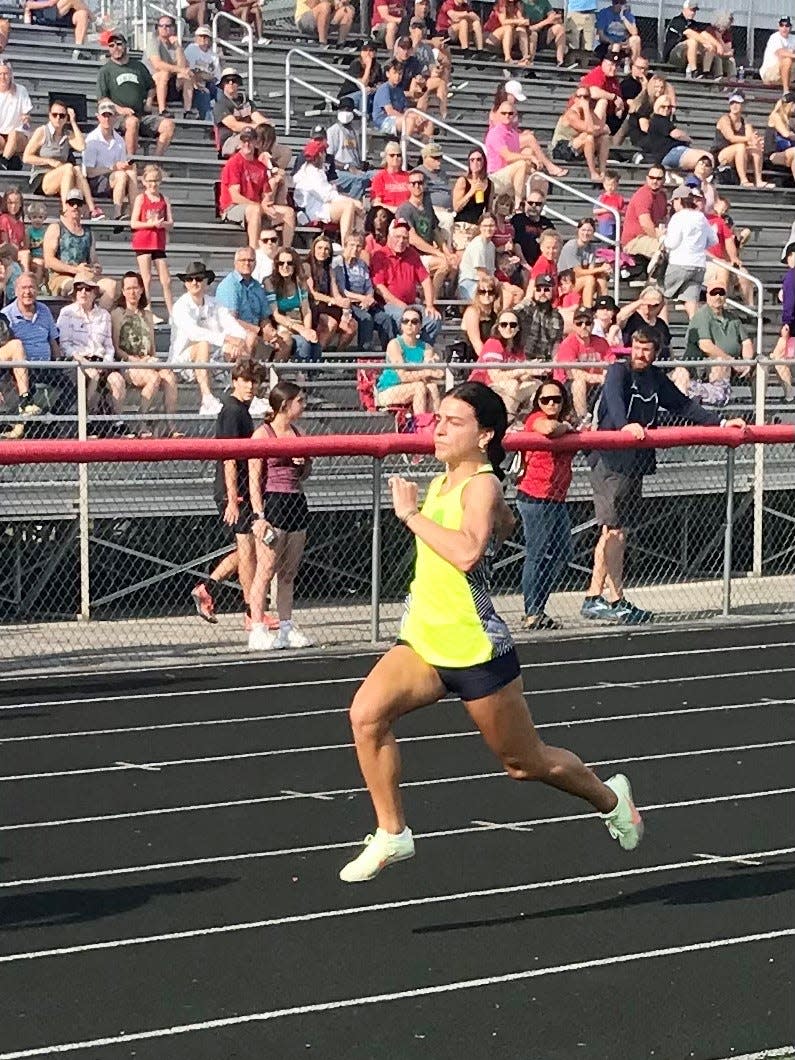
column 674, row 156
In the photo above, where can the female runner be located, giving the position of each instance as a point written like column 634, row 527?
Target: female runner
column 452, row 640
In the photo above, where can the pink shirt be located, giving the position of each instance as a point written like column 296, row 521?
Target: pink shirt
column 497, row 138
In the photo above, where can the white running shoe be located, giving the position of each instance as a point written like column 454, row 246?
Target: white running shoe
column 624, row 823
column 261, row 639
column 292, row 637
column 380, row 850
column 210, row 405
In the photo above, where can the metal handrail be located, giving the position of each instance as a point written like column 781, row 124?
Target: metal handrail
column 148, row 6
column 289, row 78
column 247, row 53
column 405, row 139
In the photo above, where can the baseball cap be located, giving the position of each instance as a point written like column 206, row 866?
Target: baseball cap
column 346, row 103
column 785, row 20
column 315, row 149
column 605, row 301
column 431, row 151
column 203, row 31
column 544, row 280
column 117, row 37
column 788, row 249
column 682, row 192
column 400, row 224
column 514, row 88
column 319, row 132
column 75, row 195
column 106, row 106
column 736, row 97
column 688, row 6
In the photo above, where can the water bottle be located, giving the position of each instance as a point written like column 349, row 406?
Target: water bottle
column 741, row 74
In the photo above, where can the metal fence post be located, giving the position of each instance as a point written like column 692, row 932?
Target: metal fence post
column 375, row 581
column 728, row 534
column 759, row 471
column 82, row 493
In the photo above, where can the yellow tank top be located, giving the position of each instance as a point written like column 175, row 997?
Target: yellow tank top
column 450, row 619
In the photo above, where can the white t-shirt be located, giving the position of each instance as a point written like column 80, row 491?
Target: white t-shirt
column 100, row 153
column 209, row 322
column 206, row 61
column 479, row 253
column 687, row 238
column 263, row 269
column 13, row 105
column 775, row 43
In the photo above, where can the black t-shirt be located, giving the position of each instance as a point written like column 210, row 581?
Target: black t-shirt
column 234, row 421
column 658, row 140
column 526, row 232
column 356, row 69
column 675, row 32
column 659, row 328
column 412, row 68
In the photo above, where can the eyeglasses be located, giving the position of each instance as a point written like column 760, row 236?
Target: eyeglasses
column 550, row 399
column 543, row 287
column 535, row 202
column 410, row 320
column 718, row 292
column 510, row 324
column 58, row 114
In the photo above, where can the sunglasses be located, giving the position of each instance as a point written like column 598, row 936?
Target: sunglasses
column 512, row 324
column 550, row 399
column 58, row 114
column 284, row 264
column 410, row 320
column 486, row 292
column 417, row 183
column 655, row 177
column 719, row 292
column 507, row 112
column 194, row 279
column 543, row 287
column 582, row 323
column 393, row 154
column 268, row 239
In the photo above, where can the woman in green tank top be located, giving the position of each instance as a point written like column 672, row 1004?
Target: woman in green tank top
column 452, row 640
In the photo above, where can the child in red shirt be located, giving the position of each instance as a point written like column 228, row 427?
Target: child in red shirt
column 605, row 221
column 150, row 221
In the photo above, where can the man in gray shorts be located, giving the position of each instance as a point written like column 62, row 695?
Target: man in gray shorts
column 130, row 85
column 314, row 18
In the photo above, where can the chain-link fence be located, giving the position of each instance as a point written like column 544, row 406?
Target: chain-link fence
column 101, row 558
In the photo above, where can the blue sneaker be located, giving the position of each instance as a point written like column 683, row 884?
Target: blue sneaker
column 596, row 607
column 629, row 614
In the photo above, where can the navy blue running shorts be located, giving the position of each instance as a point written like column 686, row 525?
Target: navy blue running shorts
column 483, row 679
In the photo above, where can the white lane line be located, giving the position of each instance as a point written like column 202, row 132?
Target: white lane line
column 243, row 756
column 256, row 855
column 307, row 795
column 138, row 765
column 764, row 1054
column 378, row 907
column 733, row 860
column 256, row 718
column 504, row 827
column 321, row 682
column 401, row 995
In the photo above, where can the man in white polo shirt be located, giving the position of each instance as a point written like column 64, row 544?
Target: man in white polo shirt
column 776, row 68
column 106, row 162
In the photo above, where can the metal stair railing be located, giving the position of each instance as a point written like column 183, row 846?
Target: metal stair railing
column 290, row 79
column 245, row 51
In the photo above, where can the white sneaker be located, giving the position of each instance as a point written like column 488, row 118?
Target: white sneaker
column 261, row 639
column 258, row 407
column 380, row 850
column 210, row 405
column 624, row 823
column 292, row 637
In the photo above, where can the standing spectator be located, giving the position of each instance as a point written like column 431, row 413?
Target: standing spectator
column 343, row 146
column 130, row 85
column 246, row 198
column 417, row 389
column 717, row 335
column 647, row 211
column 507, row 27
column 634, row 392
column 70, row 254
column 231, row 494
column 397, row 273
column 542, row 324
column 293, row 311
column 515, row 386
column 776, row 66
column 86, row 337
column 106, row 162
column 579, row 254
column 204, row 64
column 386, row 20
column 604, row 89
column 687, row 239
column 62, row 14
column 616, row 29
column 541, row 499
column 314, row 18
column 528, row 224
column 546, row 264
column 203, row 332
column 582, row 347
column 365, row 68
column 331, row 311
column 784, row 349
column 424, row 235
column 132, row 327
column 50, row 153
column 581, row 25
column 737, row 143
column 645, row 312
column 473, row 193
column 605, row 220
column 281, row 518
column 15, row 111
column 688, row 42
column 150, row 222
column 352, row 276
column 546, row 29
column 35, row 230
column 252, row 307
column 390, row 105
column 780, row 134
column 390, row 184
column 318, row 198
column 12, row 225
column 457, row 21
column 233, row 113
column 170, row 71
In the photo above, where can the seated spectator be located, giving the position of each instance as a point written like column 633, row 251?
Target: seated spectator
column 343, row 146
column 390, row 184
column 546, row 264
column 647, row 211
column 776, row 65
column 438, row 188
column 583, row 347
column 513, row 271
column 170, row 71
column 319, row 199
column 266, row 254
column 727, row 249
column 646, row 312
column 591, row 276
column 688, row 42
column 640, row 108
column 721, row 28
column 245, row 197
column 204, row 64
column 528, row 224
column 479, row 260
column 605, row 321
column 515, row 386
column 702, row 181
column 133, row 332
column 580, row 25
column 687, row 239
column 605, row 219
column 397, row 273
column 390, row 105
column 11, row 350
column 737, row 143
column 457, row 21
column 473, row 193
column 365, row 68
column 50, row 154
column 70, row 254
column 250, row 12
column 780, row 133
column 506, row 28
column 233, row 113
column 85, row 336
column 396, row 385
column 376, row 228
column 542, row 324
column 293, row 310
column 352, row 275
column 106, row 163
column 425, row 236
column 203, row 332
column 580, row 134
column 277, row 159
column 434, row 68
column 33, row 327
column 15, row 110
column 784, row 349
column 616, row 29
column 545, row 29
column 479, row 319
column 63, row 14
column 129, row 84
column 251, row 305
column 419, row 11
column 569, row 298
column 331, row 311
column 314, row 18
column 511, row 92
column 12, row 270
column 12, row 225
column 605, row 91
column 715, row 334
column 386, row 21
column 509, row 165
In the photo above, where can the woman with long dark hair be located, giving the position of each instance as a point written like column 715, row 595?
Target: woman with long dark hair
column 331, row 312
column 453, row 640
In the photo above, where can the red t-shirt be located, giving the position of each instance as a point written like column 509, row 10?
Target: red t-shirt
column 397, row 9
column 400, row 273
column 494, row 352
column 443, row 18
column 597, row 78
column 572, row 348
column 391, row 189
column 722, row 230
column 618, row 202
column 250, row 174
column 547, row 476
column 13, row 229
column 654, row 203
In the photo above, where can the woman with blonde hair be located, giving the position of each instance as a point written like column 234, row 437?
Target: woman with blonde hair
column 738, row 144
column 15, row 110
column 580, row 133
column 779, row 134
